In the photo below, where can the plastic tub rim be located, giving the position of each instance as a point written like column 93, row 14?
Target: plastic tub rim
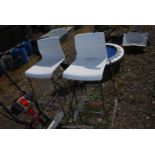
column 119, row 53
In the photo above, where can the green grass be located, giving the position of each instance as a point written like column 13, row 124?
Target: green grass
column 152, row 93
column 1, row 88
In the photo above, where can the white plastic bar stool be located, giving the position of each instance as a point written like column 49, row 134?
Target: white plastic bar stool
column 91, row 59
column 52, row 57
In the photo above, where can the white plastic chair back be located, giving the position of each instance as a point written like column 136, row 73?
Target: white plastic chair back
column 135, row 38
column 50, row 48
column 90, row 45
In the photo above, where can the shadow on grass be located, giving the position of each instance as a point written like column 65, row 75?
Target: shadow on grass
column 134, row 50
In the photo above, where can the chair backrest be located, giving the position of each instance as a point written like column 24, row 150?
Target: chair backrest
column 135, row 37
column 50, row 48
column 90, row 45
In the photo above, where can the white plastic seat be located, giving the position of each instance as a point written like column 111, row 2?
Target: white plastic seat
column 59, row 32
column 91, row 58
column 135, row 39
column 52, row 57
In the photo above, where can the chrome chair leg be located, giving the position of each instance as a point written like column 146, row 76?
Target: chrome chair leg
column 59, row 100
column 35, row 96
